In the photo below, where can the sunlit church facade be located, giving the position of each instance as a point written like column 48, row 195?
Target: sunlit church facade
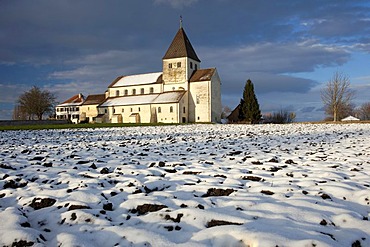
column 181, row 93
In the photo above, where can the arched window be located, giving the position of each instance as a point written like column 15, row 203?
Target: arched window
column 151, row 90
column 142, row 91
column 117, row 92
column 133, row 91
column 171, row 109
column 159, row 110
column 126, row 92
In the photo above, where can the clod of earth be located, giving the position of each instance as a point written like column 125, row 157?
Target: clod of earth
column 38, row 203
column 74, row 207
column 145, row 208
column 218, row 192
column 253, row 178
column 214, row 223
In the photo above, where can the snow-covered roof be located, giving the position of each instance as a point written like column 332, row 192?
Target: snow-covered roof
column 167, row 97
column 350, row 118
column 132, row 80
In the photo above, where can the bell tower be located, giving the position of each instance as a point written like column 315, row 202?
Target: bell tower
column 180, row 60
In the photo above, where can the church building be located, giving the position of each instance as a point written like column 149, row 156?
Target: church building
column 182, row 93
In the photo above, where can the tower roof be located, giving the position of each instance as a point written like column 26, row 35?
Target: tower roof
column 181, row 47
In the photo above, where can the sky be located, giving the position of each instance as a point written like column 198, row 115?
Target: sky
column 288, row 48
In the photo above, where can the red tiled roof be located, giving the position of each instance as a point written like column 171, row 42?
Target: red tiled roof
column 78, row 98
column 181, row 47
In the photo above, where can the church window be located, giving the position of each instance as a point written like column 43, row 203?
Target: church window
column 126, row 92
column 170, row 65
column 184, row 109
column 139, row 108
column 159, row 110
column 133, row 91
column 178, row 64
column 171, row 109
column 151, row 90
column 142, row 91
column 117, row 92
column 191, row 65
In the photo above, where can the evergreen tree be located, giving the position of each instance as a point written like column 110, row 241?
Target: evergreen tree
column 249, row 110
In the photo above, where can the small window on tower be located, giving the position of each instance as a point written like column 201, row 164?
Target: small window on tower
column 198, row 99
column 170, row 65
column 178, row 64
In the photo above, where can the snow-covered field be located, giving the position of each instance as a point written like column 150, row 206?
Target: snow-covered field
column 192, row 185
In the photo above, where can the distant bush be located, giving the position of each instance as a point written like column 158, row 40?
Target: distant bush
column 280, row 117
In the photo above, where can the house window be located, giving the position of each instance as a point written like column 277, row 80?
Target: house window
column 142, row 91
column 117, row 92
column 105, row 111
column 151, row 90
column 198, row 118
column 184, row 110
column 139, row 108
column 77, row 108
column 178, row 64
column 170, row 65
column 126, row 92
column 171, row 109
column 131, row 109
column 114, row 110
column 196, row 66
column 133, row 91
column 191, row 65
column 159, row 110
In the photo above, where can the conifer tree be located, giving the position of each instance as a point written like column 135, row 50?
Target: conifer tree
column 249, row 110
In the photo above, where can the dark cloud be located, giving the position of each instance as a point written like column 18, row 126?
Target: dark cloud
column 85, row 44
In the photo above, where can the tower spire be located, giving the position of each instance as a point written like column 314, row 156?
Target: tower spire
column 180, row 21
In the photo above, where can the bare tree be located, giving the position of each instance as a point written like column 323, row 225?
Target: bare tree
column 364, row 111
column 36, row 102
column 226, row 110
column 337, row 95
